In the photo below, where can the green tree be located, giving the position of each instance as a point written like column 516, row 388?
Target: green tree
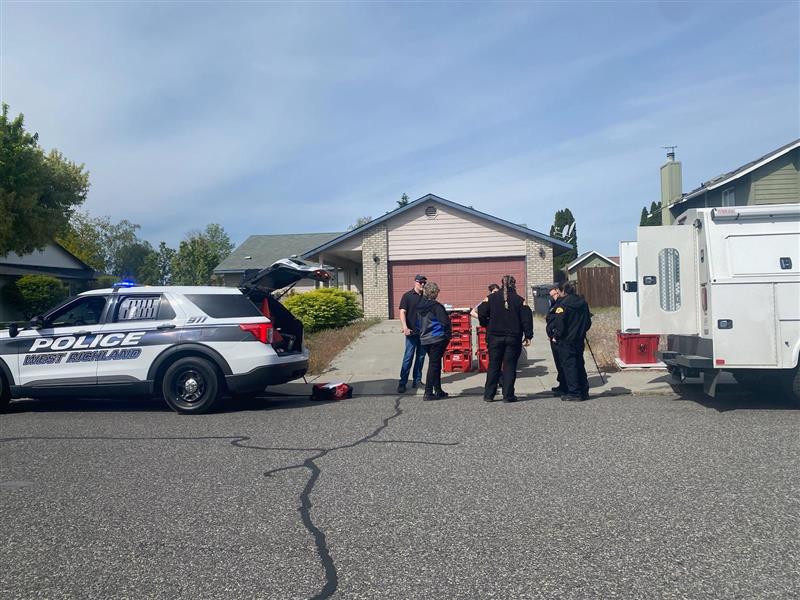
column 650, row 217
column 131, row 259
column 199, row 254
column 562, row 219
column 359, row 222
column 38, row 190
column 403, row 200
column 157, row 268
column 105, row 246
column 37, row 294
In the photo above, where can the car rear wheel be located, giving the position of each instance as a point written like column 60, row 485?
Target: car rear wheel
column 191, row 386
column 5, row 394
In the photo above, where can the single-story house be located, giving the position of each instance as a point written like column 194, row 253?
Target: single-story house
column 54, row 260
column 458, row 247
column 770, row 179
column 590, row 260
column 260, row 251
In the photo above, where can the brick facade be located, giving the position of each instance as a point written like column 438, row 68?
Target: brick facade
column 539, row 270
column 375, row 243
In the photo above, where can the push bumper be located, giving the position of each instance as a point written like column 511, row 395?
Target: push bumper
column 260, row 377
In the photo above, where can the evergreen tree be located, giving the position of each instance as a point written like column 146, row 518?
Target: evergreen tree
column 562, row 219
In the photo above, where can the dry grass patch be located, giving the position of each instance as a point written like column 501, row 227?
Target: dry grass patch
column 603, row 336
column 325, row 345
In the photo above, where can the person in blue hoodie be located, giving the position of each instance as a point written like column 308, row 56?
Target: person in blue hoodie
column 435, row 332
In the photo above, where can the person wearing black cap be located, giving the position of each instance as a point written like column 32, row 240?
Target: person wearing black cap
column 556, row 295
column 414, row 351
column 509, row 326
column 572, row 320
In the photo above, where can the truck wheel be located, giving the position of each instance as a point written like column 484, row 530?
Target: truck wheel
column 754, row 381
column 791, row 385
column 191, row 386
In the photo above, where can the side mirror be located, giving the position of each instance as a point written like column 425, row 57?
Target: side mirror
column 13, row 330
column 37, row 322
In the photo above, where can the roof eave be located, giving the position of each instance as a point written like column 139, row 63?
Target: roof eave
column 434, row 198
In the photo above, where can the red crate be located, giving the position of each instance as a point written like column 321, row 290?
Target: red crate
column 483, row 360
column 482, row 338
column 460, row 339
column 457, row 361
column 637, row 349
column 460, row 321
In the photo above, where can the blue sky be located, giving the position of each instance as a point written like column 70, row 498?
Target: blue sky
column 302, row 117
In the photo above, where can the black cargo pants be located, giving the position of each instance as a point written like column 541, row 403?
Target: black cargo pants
column 504, row 354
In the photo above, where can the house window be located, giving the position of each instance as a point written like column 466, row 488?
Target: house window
column 729, row 197
column 669, row 279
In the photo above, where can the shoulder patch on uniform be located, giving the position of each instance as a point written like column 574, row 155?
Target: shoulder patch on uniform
column 559, row 310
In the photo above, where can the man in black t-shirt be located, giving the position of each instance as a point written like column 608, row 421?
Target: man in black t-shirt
column 414, row 351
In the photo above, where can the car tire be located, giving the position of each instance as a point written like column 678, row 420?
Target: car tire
column 191, row 386
column 5, row 394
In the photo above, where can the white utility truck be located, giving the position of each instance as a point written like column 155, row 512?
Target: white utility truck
column 723, row 286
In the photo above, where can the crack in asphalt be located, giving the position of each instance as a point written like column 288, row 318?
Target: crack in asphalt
column 320, row 541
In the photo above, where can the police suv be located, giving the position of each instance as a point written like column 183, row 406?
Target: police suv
column 190, row 345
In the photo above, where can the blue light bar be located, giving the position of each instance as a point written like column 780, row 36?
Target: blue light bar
column 125, row 283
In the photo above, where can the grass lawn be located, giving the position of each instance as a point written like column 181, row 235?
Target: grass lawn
column 323, row 346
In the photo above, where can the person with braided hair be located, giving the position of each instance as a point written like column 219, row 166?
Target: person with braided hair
column 509, row 326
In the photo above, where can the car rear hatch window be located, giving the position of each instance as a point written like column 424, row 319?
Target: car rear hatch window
column 224, row 306
column 282, row 273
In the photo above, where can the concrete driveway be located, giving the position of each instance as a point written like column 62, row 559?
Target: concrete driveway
column 372, row 366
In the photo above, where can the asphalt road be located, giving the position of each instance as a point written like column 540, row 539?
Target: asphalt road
column 389, row 497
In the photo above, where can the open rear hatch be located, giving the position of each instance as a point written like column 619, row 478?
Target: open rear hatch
column 258, row 286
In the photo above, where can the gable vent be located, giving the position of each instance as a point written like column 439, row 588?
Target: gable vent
column 430, row 212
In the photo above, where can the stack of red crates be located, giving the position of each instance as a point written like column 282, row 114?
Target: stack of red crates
column 458, row 355
column 483, row 350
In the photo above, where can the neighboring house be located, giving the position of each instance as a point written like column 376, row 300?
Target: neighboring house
column 54, row 260
column 771, row 179
column 260, row 251
column 589, row 260
column 461, row 249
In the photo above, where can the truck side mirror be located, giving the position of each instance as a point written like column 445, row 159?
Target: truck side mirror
column 13, row 330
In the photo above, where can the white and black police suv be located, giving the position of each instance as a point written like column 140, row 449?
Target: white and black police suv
column 190, row 345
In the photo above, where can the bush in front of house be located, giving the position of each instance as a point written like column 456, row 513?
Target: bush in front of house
column 324, row 308
column 34, row 294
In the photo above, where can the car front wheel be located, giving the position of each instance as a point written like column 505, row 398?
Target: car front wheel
column 191, row 386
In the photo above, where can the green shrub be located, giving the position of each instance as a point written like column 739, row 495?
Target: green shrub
column 38, row 294
column 324, row 308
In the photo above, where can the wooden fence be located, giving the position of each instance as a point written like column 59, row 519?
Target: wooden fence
column 599, row 285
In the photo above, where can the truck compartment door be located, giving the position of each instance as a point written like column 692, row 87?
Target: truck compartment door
column 743, row 321
column 668, row 280
column 629, row 284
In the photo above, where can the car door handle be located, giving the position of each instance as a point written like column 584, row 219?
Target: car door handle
column 166, row 326
column 84, row 332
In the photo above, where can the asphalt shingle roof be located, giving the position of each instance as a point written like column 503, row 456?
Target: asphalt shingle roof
column 266, row 249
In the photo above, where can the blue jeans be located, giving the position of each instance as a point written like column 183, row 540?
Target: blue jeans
column 413, row 348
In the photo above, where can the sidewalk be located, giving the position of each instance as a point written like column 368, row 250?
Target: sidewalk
column 372, row 366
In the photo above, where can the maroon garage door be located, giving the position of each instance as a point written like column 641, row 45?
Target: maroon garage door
column 463, row 282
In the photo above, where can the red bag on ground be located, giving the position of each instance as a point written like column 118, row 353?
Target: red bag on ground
column 331, row 391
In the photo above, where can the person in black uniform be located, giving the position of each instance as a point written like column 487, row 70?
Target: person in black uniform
column 509, row 326
column 555, row 301
column 571, row 321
